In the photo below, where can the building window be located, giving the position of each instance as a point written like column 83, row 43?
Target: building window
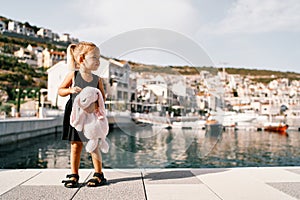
column 125, row 95
column 119, row 95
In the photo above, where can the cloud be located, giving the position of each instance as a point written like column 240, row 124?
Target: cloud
column 104, row 19
column 256, row 16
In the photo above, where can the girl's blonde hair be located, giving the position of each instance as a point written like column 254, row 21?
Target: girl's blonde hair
column 76, row 51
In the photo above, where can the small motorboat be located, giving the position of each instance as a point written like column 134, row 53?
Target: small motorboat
column 277, row 127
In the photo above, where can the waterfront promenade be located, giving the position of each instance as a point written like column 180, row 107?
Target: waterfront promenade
column 280, row 183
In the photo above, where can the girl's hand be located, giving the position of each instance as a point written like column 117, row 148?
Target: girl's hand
column 75, row 90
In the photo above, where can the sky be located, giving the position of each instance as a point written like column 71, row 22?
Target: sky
column 254, row 34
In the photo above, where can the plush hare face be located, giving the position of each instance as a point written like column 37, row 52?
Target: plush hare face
column 85, row 103
column 88, row 96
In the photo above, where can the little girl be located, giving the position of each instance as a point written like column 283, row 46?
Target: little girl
column 84, row 56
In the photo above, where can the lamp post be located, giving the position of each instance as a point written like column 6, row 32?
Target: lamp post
column 42, row 93
column 36, row 98
column 18, row 90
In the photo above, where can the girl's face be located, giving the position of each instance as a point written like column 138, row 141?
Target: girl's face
column 92, row 59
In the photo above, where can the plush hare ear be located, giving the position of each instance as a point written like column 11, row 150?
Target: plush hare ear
column 104, row 146
column 74, row 118
column 101, row 108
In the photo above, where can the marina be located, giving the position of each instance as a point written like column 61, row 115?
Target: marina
column 147, row 146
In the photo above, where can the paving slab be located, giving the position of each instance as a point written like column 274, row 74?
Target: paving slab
column 170, row 176
column 269, row 174
column 164, row 184
column 13, row 178
column 180, row 192
column 54, row 177
column 39, row 192
column 238, row 184
column 290, row 188
column 297, row 170
column 42, row 184
column 122, row 184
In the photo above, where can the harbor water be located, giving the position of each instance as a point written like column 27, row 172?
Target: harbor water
column 145, row 146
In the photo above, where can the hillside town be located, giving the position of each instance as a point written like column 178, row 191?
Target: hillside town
column 144, row 92
column 36, row 56
column 187, row 95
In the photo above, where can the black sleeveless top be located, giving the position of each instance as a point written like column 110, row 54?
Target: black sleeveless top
column 80, row 82
column 69, row 132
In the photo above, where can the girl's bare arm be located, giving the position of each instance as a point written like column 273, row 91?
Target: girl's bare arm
column 65, row 89
column 101, row 88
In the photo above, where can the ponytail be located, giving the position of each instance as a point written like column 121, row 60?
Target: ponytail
column 75, row 51
column 71, row 63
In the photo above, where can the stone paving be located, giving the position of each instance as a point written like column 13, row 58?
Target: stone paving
column 282, row 183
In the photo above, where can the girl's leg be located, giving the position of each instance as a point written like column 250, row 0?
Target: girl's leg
column 98, row 178
column 76, row 148
column 97, row 160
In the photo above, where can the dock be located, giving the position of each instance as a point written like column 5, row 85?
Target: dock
column 156, row 184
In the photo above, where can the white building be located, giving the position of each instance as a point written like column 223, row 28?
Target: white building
column 2, row 26
column 56, row 56
column 27, row 55
column 154, row 89
column 47, row 61
column 65, row 37
column 23, row 53
column 56, row 75
column 20, row 28
column 46, row 58
column 120, row 88
column 15, row 26
column 28, row 31
column 118, row 81
column 55, row 37
column 45, row 33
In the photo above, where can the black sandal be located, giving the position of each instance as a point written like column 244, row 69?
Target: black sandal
column 95, row 182
column 71, row 183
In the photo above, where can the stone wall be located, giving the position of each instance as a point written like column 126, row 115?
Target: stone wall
column 14, row 130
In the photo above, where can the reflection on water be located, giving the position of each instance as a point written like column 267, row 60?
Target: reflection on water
column 155, row 147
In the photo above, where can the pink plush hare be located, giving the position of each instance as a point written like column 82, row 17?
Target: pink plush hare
column 89, row 119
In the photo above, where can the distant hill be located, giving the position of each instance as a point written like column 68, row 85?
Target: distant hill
column 259, row 72
column 182, row 70
column 263, row 76
column 255, row 74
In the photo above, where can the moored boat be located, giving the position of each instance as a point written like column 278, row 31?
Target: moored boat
column 213, row 128
column 183, row 122
column 231, row 119
column 276, row 127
